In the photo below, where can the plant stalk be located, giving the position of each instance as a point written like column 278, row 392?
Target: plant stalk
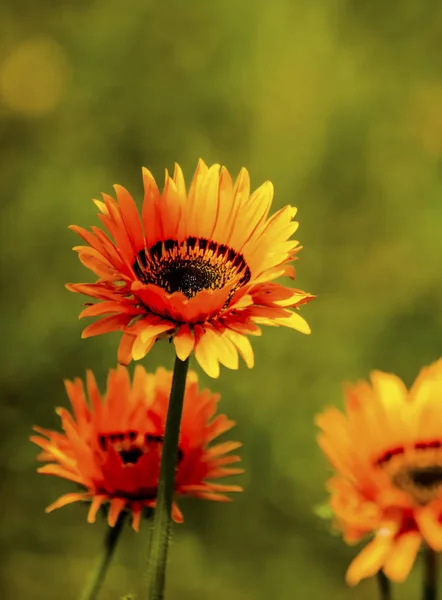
column 429, row 591
column 97, row 576
column 384, row 586
column 162, row 519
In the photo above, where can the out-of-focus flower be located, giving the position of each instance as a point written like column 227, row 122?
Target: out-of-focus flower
column 198, row 267
column 111, row 446
column 387, row 452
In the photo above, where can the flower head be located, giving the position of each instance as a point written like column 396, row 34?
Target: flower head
column 111, row 446
column 198, row 267
column 387, row 452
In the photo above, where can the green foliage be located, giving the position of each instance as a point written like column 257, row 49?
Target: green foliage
column 338, row 103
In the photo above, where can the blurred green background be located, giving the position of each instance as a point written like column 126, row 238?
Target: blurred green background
column 339, row 103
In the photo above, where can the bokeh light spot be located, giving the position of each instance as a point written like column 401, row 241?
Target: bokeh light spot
column 33, row 75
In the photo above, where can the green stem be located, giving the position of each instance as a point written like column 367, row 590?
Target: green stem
column 162, row 521
column 429, row 591
column 98, row 574
column 384, row 586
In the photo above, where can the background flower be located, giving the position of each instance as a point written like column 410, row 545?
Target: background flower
column 387, row 452
column 198, row 267
column 111, row 446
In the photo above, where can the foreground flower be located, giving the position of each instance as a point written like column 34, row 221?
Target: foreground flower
column 387, row 451
column 198, row 267
column 112, row 446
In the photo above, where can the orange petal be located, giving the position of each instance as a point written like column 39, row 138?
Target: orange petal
column 75, row 391
column 109, row 306
column 216, row 487
column 247, row 328
column 223, row 448
column 88, row 237
column 55, row 452
column 205, row 207
column 117, row 505
column 93, row 392
column 253, row 213
column 170, row 210
column 215, row 473
column 101, row 291
column 106, row 325
column 178, row 179
column 194, row 197
column 177, row 515
column 130, row 216
column 59, row 471
column 339, row 455
column 94, row 261
column 96, row 503
column 219, row 425
column 125, row 348
column 241, row 193
column 212, row 496
column 149, row 211
column 226, row 460
column 114, row 224
column 136, row 518
column 67, row 499
column 225, row 205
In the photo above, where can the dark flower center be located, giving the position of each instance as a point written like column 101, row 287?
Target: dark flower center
column 131, row 456
column 416, row 470
column 131, row 445
column 190, row 266
column 426, row 477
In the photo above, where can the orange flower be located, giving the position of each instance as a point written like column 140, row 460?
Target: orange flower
column 387, row 451
column 198, row 267
column 113, row 447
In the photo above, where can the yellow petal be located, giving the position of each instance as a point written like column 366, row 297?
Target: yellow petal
column 204, row 354
column 223, row 348
column 184, row 342
column 142, row 346
column 430, row 527
column 294, row 321
column 403, row 554
column 389, row 388
column 370, row 560
column 244, row 346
